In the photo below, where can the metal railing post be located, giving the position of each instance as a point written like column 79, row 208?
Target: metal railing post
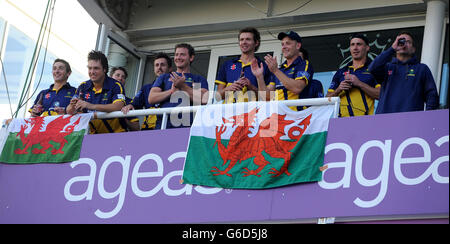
column 164, row 121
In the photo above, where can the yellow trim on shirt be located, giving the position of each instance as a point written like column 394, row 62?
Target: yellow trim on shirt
column 119, row 100
column 220, row 82
column 120, row 85
column 97, row 92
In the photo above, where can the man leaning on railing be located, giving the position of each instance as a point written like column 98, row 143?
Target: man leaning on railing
column 100, row 93
column 180, row 88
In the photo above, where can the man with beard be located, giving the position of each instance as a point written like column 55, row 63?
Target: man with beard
column 162, row 64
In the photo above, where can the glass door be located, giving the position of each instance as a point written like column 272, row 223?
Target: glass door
column 121, row 53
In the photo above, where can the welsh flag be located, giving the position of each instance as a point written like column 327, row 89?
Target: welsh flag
column 51, row 139
column 256, row 145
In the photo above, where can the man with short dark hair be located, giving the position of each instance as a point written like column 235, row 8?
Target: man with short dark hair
column 100, row 93
column 236, row 76
column 407, row 84
column 354, row 84
column 53, row 101
column 162, row 64
column 180, row 88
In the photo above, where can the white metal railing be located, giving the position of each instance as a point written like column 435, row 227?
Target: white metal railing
column 165, row 111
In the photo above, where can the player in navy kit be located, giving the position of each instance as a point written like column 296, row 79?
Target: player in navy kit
column 54, row 100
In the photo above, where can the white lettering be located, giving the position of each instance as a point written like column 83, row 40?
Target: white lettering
column 438, row 178
column 165, row 182
column 90, row 179
column 399, row 160
column 382, row 178
column 135, row 175
column 347, row 165
column 125, row 162
column 185, row 102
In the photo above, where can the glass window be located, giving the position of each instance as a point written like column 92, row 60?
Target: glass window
column 120, row 57
column 16, row 63
column 43, row 77
column 2, row 33
column 443, row 92
column 201, row 63
column 76, row 78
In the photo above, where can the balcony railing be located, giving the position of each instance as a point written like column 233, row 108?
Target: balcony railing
column 166, row 111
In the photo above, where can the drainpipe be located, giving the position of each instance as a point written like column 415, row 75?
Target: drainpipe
column 433, row 37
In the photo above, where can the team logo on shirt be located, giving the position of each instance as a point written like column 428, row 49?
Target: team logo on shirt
column 47, row 96
column 291, row 72
column 303, row 74
column 121, row 96
column 389, row 72
column 233, row 67
column 411, row 72
column 87, row 96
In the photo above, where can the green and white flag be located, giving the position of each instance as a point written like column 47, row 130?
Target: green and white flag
column 51, row 139
column 256, row 145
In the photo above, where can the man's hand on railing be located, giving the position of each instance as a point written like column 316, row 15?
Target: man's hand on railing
column 127, row 108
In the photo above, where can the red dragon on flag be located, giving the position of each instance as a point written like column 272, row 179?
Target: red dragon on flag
column 256, row 145
column 49, row 139
column 54, row 131
column 268, row 139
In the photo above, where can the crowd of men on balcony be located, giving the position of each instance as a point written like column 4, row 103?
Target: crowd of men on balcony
column 396, row 78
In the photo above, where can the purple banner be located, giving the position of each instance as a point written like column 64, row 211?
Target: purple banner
column 383, row 165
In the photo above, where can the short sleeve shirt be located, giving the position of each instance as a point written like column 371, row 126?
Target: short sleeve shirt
column 111, row 92
column 298, row 70
column 355, row 102
column 51, row 98
column 164, row 82
column 233, row 69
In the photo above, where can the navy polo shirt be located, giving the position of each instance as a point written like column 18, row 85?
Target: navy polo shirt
column 141, row 101
column 51, row 98
column 111, row 92
column 164, row 82
column 355, row 102
column 299, row 69
column 232, row 70
column 315, row 90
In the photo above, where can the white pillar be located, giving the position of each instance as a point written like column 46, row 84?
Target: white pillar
column 433, row 35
